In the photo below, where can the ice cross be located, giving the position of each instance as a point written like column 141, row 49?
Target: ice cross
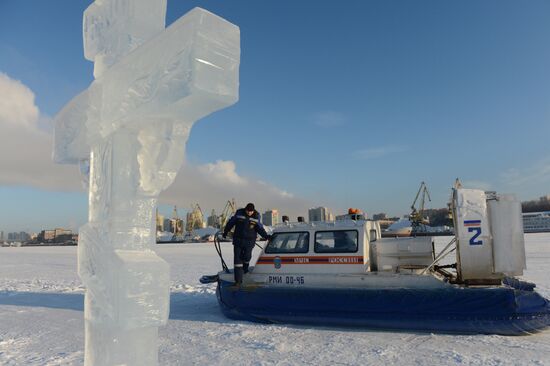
column 128, row 132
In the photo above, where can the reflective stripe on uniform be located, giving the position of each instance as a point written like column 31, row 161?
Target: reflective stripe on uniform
column 241, row 217
column 252, row 219
column 238, row 265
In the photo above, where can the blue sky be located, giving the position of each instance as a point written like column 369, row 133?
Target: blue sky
column 342, row 103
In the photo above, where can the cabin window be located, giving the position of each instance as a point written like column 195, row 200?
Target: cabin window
column 372, row 235
column 288, row 243
column 341, row 241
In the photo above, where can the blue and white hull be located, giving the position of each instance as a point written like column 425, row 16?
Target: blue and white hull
column 501, row 310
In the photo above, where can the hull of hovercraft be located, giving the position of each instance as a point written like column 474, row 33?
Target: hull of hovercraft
column 500, row 310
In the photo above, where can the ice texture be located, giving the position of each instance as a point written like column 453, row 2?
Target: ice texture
column 128, row 132
column 113, row 28
column 197, row 74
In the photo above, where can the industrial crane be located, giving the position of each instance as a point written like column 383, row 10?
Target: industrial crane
column 195, row 218
column 416, row 217
column 228, row 211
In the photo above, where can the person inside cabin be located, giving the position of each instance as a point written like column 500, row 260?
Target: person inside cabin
column 343, row 242
column 247, row 227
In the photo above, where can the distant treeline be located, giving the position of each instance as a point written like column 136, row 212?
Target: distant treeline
column 440, row 216
column 542, row 204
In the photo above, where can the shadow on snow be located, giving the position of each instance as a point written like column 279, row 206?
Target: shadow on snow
column 186, row 305
column 199, row 306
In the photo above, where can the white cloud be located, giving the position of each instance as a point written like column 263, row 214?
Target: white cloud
column 534, row 174
column 211, row 185
column 378, row 152
column 26, row 150
column 223, row 171
column 17, row 106
column 328, row 119
column 25, row 144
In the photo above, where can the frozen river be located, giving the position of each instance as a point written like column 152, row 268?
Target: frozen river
column 41, row 302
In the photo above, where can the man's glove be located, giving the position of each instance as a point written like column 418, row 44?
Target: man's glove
column 224, row 235
column 268, row 238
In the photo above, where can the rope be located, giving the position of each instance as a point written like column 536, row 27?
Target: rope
column 217, row 245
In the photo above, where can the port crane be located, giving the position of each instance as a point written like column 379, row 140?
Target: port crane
column 416, row 216
column 195, row 218
column 228, row 211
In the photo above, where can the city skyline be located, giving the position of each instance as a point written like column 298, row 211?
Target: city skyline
column 536, row 210
column 340, row 106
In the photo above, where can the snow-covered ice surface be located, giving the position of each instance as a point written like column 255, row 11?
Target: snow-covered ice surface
column 41, row 320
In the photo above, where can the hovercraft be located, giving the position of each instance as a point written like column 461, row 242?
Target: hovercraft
column 344, row 273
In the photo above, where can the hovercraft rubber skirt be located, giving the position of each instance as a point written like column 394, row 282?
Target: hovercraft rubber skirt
column 499, row 310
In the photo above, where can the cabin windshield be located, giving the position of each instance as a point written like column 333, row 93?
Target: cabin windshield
column 289, row 243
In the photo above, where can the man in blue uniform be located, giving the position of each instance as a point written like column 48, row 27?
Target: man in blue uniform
column 247, row 227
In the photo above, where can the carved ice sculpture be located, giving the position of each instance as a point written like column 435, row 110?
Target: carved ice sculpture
column 128, row 132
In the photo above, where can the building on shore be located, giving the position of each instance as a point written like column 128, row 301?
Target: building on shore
column 46, row 235
column 320, row 214
column 536, row 222
column 213, row 220
column 270, row 217
column 380, row 216
column 18, row 236
column 57, row 235
column 175, row 226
